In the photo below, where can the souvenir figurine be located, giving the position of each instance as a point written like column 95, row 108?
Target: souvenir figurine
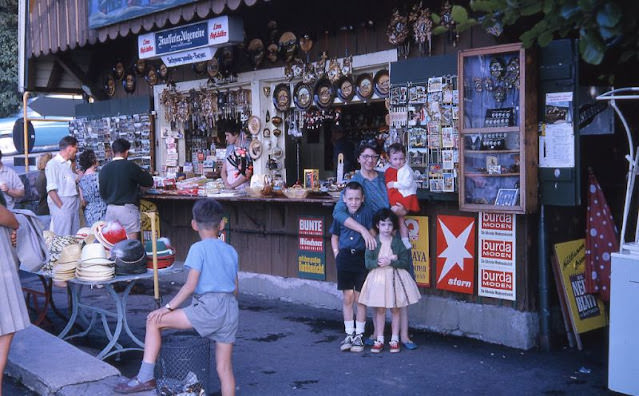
column 448, row 22
column 320, row 65
column 288, row 46
column 271, row 52
column 118, row 70
column 423, row 30
column 109, row 86
column 256, row 52
column 129, row 82
column 151, row 76
column 164, row 72
column 334, row 70
column 347, row 66
column 397, row 32
column 140, row 67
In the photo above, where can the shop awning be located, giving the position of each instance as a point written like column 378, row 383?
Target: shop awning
column 62, row 25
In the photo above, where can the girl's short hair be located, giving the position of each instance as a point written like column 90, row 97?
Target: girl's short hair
column 396, row 148
column 207, row 213
column 383, row 214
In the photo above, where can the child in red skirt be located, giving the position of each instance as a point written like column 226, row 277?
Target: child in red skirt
column 402, row 188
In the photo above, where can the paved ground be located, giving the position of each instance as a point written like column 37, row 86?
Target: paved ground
column 288, row 349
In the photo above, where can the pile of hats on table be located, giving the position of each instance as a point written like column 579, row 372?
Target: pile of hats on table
column 95, row 254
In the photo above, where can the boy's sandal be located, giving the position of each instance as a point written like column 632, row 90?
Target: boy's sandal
column 134, row 385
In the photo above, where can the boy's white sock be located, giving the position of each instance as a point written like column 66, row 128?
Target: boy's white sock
column 359, row 327
column 407, row 243
column 380, row 339
column 394, row 338
column 349, row 326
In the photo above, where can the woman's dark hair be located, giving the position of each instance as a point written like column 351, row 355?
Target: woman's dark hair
column 383, row 214
column 87, row 159
column 233, row 132
column 367, row 144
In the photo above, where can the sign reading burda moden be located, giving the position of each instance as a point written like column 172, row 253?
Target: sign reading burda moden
column 496, row 255
column 192, row 38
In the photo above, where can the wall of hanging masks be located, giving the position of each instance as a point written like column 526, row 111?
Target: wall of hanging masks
column 98, row 134
column 427, row 114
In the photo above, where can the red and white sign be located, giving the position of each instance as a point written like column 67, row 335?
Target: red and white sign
column 456, row 253
column 310, row 234
column 497, row 256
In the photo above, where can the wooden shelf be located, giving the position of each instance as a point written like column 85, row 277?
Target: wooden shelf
column 491, row 130
column 491, row 174
column 491, row 151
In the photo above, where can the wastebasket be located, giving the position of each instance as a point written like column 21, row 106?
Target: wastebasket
column 183, row 365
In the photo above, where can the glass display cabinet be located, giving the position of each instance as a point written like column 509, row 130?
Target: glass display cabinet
column 498, row 130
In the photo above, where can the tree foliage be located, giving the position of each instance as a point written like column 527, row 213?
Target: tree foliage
column 607, row 29
column 9, row 97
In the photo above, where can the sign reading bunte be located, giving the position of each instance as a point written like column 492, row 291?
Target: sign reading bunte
column 215, row 32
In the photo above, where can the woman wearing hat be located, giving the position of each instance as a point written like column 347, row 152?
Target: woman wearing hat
column 238, row 165
column 13, row 315
column 95, row 208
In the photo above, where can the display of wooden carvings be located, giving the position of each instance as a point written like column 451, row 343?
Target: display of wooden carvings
column 98, row 134
column 497, row 115
column 427, row 113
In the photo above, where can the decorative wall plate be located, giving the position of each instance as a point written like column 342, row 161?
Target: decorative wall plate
column 365, row 86
column 282, row 97
column 255, row 149
column 254, row 124
column 129, row 82
column 302, row 96
column 382, row 83
column 266, row 133
column 324, row 93
column 345, row 88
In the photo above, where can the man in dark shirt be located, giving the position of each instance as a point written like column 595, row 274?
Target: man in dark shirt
column 120, row 181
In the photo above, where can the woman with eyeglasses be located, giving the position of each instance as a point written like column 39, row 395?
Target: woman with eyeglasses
column 375, row 196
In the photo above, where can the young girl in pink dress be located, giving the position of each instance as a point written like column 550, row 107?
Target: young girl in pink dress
column 388, row 284
column 402, row 188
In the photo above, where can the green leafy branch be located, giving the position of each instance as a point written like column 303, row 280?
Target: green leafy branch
column 600, row 25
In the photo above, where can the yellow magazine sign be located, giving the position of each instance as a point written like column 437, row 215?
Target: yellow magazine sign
column 418, row 234
column 586, row 310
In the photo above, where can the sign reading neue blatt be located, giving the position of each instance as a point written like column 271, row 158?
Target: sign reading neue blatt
column 496, row 255
column 223, row 30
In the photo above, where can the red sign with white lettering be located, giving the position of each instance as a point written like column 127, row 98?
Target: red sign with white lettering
column 456, row 253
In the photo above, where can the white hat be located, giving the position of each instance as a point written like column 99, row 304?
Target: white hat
column 94, row 254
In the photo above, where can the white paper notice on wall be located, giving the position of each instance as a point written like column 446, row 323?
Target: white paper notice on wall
column 557, row 147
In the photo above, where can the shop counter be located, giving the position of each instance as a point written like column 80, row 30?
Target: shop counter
column 264, row 231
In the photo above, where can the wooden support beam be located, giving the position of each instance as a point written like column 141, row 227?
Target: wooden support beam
column 55, row 76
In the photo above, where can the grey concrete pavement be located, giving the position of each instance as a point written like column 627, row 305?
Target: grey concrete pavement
column 288, row 349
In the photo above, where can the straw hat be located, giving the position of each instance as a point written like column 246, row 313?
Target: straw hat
column 94, row 254
column 70, row 254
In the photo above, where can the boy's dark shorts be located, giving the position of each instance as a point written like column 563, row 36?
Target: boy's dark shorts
column 351, row 271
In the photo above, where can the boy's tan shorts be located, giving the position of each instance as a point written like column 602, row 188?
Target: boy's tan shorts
column 214, row 316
